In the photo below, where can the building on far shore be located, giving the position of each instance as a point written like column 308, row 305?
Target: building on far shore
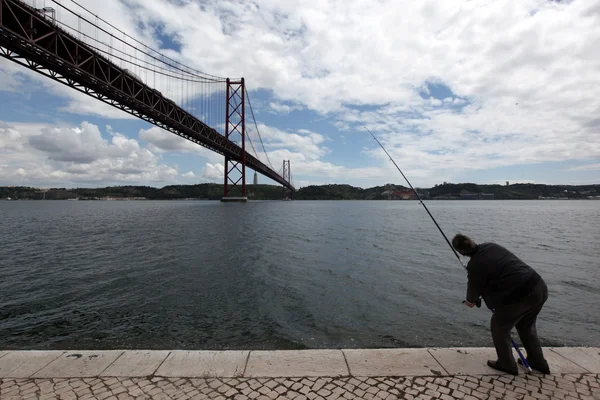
column 465, row 195
column 400, row 195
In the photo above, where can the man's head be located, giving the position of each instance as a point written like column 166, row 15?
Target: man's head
column 464, row 244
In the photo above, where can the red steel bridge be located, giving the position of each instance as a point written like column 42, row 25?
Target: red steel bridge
column 67, row 43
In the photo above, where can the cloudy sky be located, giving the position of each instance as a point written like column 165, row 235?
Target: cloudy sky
column 458, row 91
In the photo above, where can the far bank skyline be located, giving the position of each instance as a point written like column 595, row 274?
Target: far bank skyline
column 211, row 191
column 259, row 183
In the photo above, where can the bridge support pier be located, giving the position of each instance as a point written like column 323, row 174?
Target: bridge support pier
column 287, row 176
column 235, row 124
column 234, row 199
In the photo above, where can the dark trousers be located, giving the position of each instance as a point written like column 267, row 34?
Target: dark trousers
column 523, row 315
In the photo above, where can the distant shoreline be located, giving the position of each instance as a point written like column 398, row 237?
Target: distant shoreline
column 214, row 191
column 250, row 199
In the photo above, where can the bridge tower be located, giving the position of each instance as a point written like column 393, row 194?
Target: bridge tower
column 235, row 129
column 287, row 176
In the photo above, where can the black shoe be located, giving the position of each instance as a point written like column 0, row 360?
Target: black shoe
column 496, row 365
column 544, row 368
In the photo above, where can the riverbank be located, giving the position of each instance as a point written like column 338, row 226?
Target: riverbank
column 214, row 191
column 445, row 373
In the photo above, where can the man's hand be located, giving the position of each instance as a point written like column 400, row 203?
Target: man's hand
column 469, row 304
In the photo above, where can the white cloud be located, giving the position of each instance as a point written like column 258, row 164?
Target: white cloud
column 10, row 138
column 305, row 149
column 282, row 108
column 189, row 174
column 435, row 102
column 304, row 141
column 213, row 172
column 588, row 167
column 9, row 81
column 83, row 144
column 39, row 154
column 313, row 170
column 162, row 141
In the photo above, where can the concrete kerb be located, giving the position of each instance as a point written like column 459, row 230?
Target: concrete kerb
column 434, row 362
column 392, row 362
column 79, row 364
column 136, row 363
column 204, row 364
column 23, row 364
column 296, row 363
column 587, row 358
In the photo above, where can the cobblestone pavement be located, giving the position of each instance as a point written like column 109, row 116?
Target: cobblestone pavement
column 529, row 387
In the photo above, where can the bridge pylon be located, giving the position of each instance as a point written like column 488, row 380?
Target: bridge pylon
column 287, row 176
column 235, row 129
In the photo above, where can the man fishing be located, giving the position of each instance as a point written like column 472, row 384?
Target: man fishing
column 509, row 286
column 514, row 291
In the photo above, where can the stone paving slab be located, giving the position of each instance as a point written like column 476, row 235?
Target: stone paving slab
column 23, row 364
column 562, row 387
column 204, row 364
column 586, row 357
column 137, row 363
column 79, row 364
column 470, row 361
column 392, row 362
column 296, row 363
column 561, row 365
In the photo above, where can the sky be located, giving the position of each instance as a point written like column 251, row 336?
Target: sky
column 457, row 91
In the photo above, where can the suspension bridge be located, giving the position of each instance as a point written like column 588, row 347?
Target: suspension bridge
column 66, row 42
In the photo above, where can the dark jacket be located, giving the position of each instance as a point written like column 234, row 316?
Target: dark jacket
column 498, row 276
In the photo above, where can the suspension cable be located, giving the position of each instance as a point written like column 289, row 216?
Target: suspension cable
column 258, row 132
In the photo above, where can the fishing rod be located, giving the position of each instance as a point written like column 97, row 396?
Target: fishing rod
column 478, row 302
column 418, row 197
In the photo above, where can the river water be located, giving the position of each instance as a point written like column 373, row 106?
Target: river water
column 280, row 275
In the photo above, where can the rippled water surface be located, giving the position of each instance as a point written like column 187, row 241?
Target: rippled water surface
column 280, row 275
